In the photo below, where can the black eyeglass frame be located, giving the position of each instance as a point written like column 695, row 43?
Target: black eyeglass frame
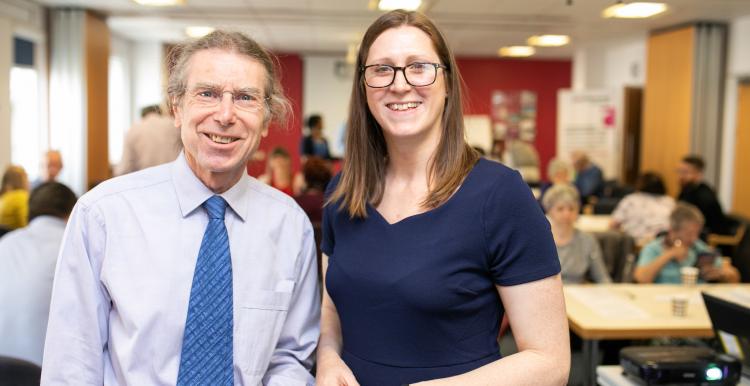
column 396, row 69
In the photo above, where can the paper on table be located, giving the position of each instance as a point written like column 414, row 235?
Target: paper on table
column 607, row 304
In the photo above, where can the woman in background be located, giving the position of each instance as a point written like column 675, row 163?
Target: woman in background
column 645, row 213
column 426, row 246
column 14, row 198
column 579, row 252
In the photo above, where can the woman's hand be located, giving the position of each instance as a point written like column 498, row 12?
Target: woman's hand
column 332, row 371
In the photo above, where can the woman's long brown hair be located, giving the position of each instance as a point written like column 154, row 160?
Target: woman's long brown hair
column 363, row 172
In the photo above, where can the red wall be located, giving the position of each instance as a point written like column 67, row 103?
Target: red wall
column 485, row 75
column 288, row 136
column 481, row 75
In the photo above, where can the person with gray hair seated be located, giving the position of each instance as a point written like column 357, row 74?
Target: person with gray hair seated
column 660, row 261
column 579, row 252
column 27, row 267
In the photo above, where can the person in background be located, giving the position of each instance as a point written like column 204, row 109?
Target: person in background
column 522, row 156
column 661, row 259
column 192, row 272
column 589, row 178
column 52, row 164
column 279, row 172
column 14, row 198
column 152, row 141
column 645, row 213
column 317, row 174
column 427, row 246
column 27, row 266
column 314, row 144
column 579, row 252
column 558, row 172
column 695, row 191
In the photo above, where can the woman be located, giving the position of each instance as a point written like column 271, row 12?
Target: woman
column 645, row 213
column 279, row 171
column 579, row 252
column 14, row 198
column 429, row 245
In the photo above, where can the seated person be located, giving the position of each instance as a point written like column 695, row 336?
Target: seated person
column 558, row 172
column 645, row 213
column 27, row 267
column 579, row 252
column 589, row 177
column 14, row 198
column 660, row 260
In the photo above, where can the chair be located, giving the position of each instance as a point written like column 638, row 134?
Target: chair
column 17, row 372
column 618, row 252
column 732, row 240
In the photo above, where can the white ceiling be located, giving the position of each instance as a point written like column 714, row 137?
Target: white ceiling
column 473, row 27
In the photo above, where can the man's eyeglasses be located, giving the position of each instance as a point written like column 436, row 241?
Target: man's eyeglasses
column 251, row 101
column 415, row 74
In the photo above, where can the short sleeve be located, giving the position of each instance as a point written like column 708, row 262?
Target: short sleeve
column 520, row 247
column 328, row 239
column 622, row 209
column 650, row 252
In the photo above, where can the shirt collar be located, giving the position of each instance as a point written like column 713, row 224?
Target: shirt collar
column 191, row 192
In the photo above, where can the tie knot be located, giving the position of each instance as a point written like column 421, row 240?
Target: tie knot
column 215, row 206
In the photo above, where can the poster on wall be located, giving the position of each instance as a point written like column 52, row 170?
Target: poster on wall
column 514, row 115
column 591, row 121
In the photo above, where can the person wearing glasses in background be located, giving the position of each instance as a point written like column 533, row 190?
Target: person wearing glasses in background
column 191, row 272
column 426, row 245
column 660, row 260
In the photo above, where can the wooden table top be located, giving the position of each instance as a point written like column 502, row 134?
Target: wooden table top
column 642, row 311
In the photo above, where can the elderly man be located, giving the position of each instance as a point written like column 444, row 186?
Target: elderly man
column 192, row 272
column 660, row 260
column 52, row 164
column 27, row 265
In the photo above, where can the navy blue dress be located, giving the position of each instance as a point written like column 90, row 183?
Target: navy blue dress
column 417, row 298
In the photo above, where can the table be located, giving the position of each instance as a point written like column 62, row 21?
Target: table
column 636, row 311
column 612, row 376
column 593, row 222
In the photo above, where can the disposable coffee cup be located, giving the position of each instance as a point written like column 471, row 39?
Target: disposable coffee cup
column 680, row 305
column 689, row 275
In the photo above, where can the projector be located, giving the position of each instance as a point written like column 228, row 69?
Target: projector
column 676, row 365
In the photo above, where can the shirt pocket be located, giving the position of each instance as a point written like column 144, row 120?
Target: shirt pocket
column 261, row 317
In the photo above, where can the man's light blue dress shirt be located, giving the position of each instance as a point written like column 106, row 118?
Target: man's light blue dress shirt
column 123, row 279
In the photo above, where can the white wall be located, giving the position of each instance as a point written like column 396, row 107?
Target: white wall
column 147, row 86
column 120, row 94
column 610, row 64
column 23, row 18
column 738, row 66
column 326, row 88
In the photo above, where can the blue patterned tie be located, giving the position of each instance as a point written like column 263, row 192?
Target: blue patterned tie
column 207, row 344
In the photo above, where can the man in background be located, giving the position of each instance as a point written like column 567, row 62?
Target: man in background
column 27, row 266
column 152, row 141
column 589, row 177
column 52, row 164
column 695, row 191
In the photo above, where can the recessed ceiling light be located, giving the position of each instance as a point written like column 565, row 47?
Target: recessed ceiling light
column 637, row 10
column 389, row 5
column 516, row 51
column 548, row 40
column 198, row 31
column 160, row 3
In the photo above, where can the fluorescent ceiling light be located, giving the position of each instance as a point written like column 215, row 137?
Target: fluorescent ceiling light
column 548, row 40
column 198, row 31
column 389, row 5
column 637, row 10
column 160, row 3
column 517, row 51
